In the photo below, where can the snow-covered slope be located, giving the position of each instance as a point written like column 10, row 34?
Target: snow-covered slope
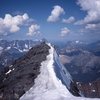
column 48, row 85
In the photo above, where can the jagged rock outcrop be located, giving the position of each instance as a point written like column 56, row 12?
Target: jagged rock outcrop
column 20, row 76
column 91, row 89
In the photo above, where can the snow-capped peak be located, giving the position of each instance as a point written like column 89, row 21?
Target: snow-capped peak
column 47, row 85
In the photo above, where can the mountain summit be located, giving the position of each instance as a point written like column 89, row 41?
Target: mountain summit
column 38, row 75
column 20, row 76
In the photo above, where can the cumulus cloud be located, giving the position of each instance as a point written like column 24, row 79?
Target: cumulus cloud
column 55, row 14
column 64, row 32
column 69, row 20
column 33, row 30
column 93, row 10
column 11, row 24
column 91, row 22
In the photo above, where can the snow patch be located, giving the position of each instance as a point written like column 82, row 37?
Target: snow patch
column 90, row 84
column 10, row 66
column 93, row 90
column 26, row 46
column 8, row 48
column 25, row 50
column 8, row 72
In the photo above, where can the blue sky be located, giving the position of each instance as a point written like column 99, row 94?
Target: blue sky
column 55, row 20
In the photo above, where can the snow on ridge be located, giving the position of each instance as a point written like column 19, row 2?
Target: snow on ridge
column 61, row 71
column 9, row 71
column 8, row 48
column 47, row 86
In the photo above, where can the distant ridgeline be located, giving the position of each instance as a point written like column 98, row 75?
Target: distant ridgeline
column 12, row 50
column 82, row 60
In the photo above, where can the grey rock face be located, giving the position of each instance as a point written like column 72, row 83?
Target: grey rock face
column 20, row 77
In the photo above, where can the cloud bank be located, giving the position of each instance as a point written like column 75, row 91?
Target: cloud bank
column 92, row 8
column 91, row 21
column 12, row 24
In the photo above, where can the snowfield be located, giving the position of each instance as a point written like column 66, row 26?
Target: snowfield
column 47, row 86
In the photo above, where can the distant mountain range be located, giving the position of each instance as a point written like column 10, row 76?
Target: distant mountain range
column 83, row 62
column 12, row 50
column 83, row 58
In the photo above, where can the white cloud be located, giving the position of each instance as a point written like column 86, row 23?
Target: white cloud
column 33, row 30
column 55, row 14
column 69, row 20
column 90, row 29
column 11, row 24
column 64, row 31
column 93, row 10
column 91, row 21
column 90, row 26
